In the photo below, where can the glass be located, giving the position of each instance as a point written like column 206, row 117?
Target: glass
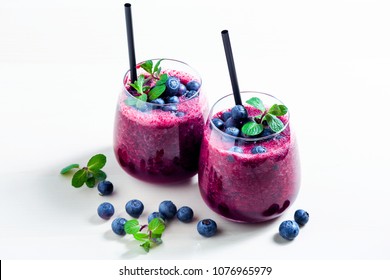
column 243, row 186
column 158, row 143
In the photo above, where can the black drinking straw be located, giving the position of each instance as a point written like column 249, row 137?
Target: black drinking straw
column 232, row 68
column 130, row 42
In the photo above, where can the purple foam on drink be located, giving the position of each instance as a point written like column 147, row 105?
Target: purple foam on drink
column 157, row 145
column 248, row 187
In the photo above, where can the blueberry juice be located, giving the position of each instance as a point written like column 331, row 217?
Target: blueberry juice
column 249, row 178
column 157, row 138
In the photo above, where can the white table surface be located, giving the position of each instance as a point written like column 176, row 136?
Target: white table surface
column 61, row 65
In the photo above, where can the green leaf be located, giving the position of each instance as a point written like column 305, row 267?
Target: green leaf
column 146, row 246
column 163, row 79
column 156, row 91
column 130, row 101
column 96, row 162
column 143, row 97
column 90, row 182
column 252, row 128
column 147, row 66
column 138, row 85
column 278, row 110
column 156, row 226
column 274, row 123
column 257, row 103
column 99, row 175
column 141, row 236
column 154, row 235
column 156, row 67
column 69, row 168
column 79, row 178
column 132, row 226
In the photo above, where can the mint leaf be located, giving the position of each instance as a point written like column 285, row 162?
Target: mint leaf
column 274, row 123
column 156, row 91
column 132, row 226
column 156, row 67
column 278, row 110
column 257, row 103
column 163, row 79
column 99, row 175
column 96, row 162
column 143, row 97
column 79, row 178
column 156, row 226
column 69, row 168
column 146, row 246
column 141, row 236
column 138, row 85
column 91, row 182
column 252, row 128
column 130, row 101
column 147, row 66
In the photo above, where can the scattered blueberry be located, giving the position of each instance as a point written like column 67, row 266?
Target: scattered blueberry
column 301, row 217
column 266, row 132
column 172, row 99
column 173, row 85
column 118, row 226
column 180, row 114
column 289, row 230
column 258, row 150
column 225, row 116
column 169, row 108
column 233, row 131
column 182, row 90
column 191, row 93
column 236, row 149
column 106, row 210
column 193, row 85
column 134, row 208
column 239, row 113
column 105, row 187
column 155, row 215
column 158, row 101
column 185, row 214
column 218, row 123
column 230, row 122
column 167, row 209
column 207, row 227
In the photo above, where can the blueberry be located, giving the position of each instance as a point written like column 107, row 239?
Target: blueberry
column 193, row 85
column 239, row 113
column 168, row 209
column 301, row 217
column 233, row 131
column 106, row 210
column 258, row 150
column 266, row 132
column 118, row 226
column 180, row 114
column 218, row 123
column 172, row 99
column 185, row 214
column 182, row 90
column 236, row 149
column 207, row 227
column 230, row 122
column 155, row 215
column 173, row 85
column 105, row 187
column 134, row 208
column 225, row 116
column 158, row 101
column 169, row 108
column 191, row 93
column 289, row 230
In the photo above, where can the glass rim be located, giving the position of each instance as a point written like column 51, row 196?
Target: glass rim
column 224, row 134
column 197, row 75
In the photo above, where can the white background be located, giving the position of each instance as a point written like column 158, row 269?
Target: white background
column 61, row 65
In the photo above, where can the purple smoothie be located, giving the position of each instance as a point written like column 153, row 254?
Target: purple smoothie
column 246, row 187
column 156, row 145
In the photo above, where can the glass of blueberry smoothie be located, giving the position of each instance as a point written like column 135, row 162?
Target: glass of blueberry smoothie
column 249, row 167
column 160, row 121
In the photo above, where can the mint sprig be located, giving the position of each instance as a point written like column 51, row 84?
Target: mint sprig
column 270, row 116
column 151, row 237
column 89, row 175
column 148, row 93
